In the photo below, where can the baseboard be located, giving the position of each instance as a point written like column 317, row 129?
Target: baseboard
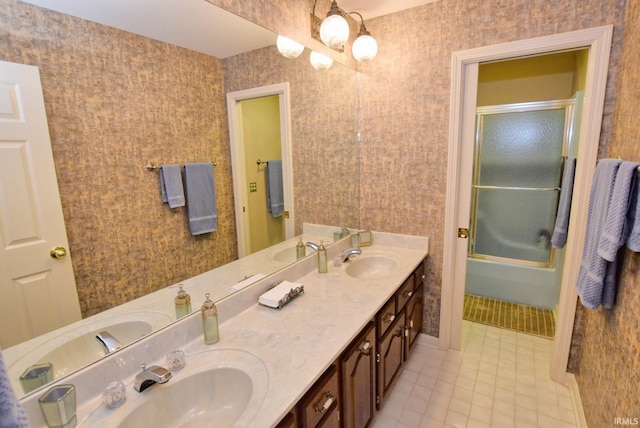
column 570, row 381
column 426, row 340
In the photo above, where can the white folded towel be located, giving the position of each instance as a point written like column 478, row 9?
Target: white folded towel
column 246, row 282
column 278, row 294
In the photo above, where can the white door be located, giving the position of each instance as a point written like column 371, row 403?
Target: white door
column 37, row 286
column 240, row 184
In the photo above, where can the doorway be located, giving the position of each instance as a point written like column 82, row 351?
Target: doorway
column 465, row 70
column 249, row 165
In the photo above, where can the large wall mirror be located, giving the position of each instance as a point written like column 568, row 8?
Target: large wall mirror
column 116, row 101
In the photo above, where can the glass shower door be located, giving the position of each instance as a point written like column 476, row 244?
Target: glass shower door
column 518, row 166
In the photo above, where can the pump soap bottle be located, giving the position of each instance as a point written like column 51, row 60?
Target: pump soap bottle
column 183, row 303
column 322, row 258
column 210, row 321
column 301, row 251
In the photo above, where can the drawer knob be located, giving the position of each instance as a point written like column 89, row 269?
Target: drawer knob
column 407, row 294
column 389, row 317
column 326, row 404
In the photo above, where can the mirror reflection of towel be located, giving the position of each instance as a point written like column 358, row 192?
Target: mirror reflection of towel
column 201, row 197
column 171, row 185
column 275, row 191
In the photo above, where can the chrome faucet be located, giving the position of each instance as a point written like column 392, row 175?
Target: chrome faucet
column 149, row 376
column 108, row 342
column 311, row 245
column 347, row 254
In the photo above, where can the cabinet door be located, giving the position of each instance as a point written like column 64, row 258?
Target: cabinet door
column 413, row 324
column 288, row 421
column 319, row 407
column 358, row 381
column 390, row 357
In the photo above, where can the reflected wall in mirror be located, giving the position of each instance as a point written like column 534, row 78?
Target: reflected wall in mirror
column 116, row 101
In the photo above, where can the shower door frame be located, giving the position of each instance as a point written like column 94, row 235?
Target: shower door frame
column 464, row 84
column 569, row 107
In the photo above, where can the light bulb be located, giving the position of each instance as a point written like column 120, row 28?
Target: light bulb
column 320, row 61
column 364, row 48
column 334, row 31
column 289, row 48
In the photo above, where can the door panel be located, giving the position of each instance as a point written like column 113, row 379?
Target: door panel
column 39, row 291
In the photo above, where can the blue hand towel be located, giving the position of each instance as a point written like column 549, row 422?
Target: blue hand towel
column 201, row 197
column 559, row 238
column 12, row 413
column 171, row 185
column 616, row 228
column 633, row 216
column 593, row 267
column 275, row 191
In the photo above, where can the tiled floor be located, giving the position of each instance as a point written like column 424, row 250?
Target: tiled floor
column 499, row 379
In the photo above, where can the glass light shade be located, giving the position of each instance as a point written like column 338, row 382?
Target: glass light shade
column 320, row 61
column 364, row 48
column 334, row 31
column 289, row 48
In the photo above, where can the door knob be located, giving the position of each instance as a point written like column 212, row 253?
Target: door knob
column 58, row 253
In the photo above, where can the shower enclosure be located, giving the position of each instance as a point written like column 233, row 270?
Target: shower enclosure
column 519, row 155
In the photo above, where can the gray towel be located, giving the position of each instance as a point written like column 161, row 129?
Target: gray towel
column 12, row 414
column 201, row 197
column 593, row 268
column 275, row 191
column 559, row 238
column 633, row 216
column 171, row 185
column 616, row 228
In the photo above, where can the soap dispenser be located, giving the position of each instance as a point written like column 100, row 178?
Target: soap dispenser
column 183, row 303
column 210, row 321
column 301, row 250
column 322, row 258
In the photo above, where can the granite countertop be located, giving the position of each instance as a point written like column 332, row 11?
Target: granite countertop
column 295, row 344
column 307, row 335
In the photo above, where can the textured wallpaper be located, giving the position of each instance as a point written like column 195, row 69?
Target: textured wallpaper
column 608, row 370
column 405, row 106
column 114, row 102
column 324, row 131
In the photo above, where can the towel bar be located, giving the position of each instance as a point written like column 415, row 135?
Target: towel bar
column 153, row 167
column 260, row 162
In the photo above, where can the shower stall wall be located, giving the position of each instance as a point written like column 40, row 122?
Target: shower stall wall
column 519, row 156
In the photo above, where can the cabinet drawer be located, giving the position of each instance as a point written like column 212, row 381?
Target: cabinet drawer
column 386, row 317
column 321, row 401
column 405, row 292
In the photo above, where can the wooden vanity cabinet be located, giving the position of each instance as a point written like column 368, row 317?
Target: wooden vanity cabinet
column 320, row 405
column 351, row 391
column 413, row 320
column 389, row 356
column 357, row 375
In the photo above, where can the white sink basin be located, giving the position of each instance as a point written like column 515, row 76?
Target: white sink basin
column 286, row 255
column 77, row 347
column 370, row 266
column 221, row 388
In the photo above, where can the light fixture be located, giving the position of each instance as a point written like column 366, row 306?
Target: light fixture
column 334, row 31
column 365, row 47
column 320, row 61
column 289, row 48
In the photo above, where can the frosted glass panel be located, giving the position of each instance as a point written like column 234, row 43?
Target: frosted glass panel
column 516, row 224
column 521, row 149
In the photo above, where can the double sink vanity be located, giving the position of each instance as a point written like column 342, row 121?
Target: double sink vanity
column 332, row 353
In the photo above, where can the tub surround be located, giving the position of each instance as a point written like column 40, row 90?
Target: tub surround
column 307, row 335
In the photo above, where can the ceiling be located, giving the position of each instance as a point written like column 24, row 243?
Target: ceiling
column 196, row 24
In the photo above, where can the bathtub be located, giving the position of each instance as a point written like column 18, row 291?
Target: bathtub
column 533, row 286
